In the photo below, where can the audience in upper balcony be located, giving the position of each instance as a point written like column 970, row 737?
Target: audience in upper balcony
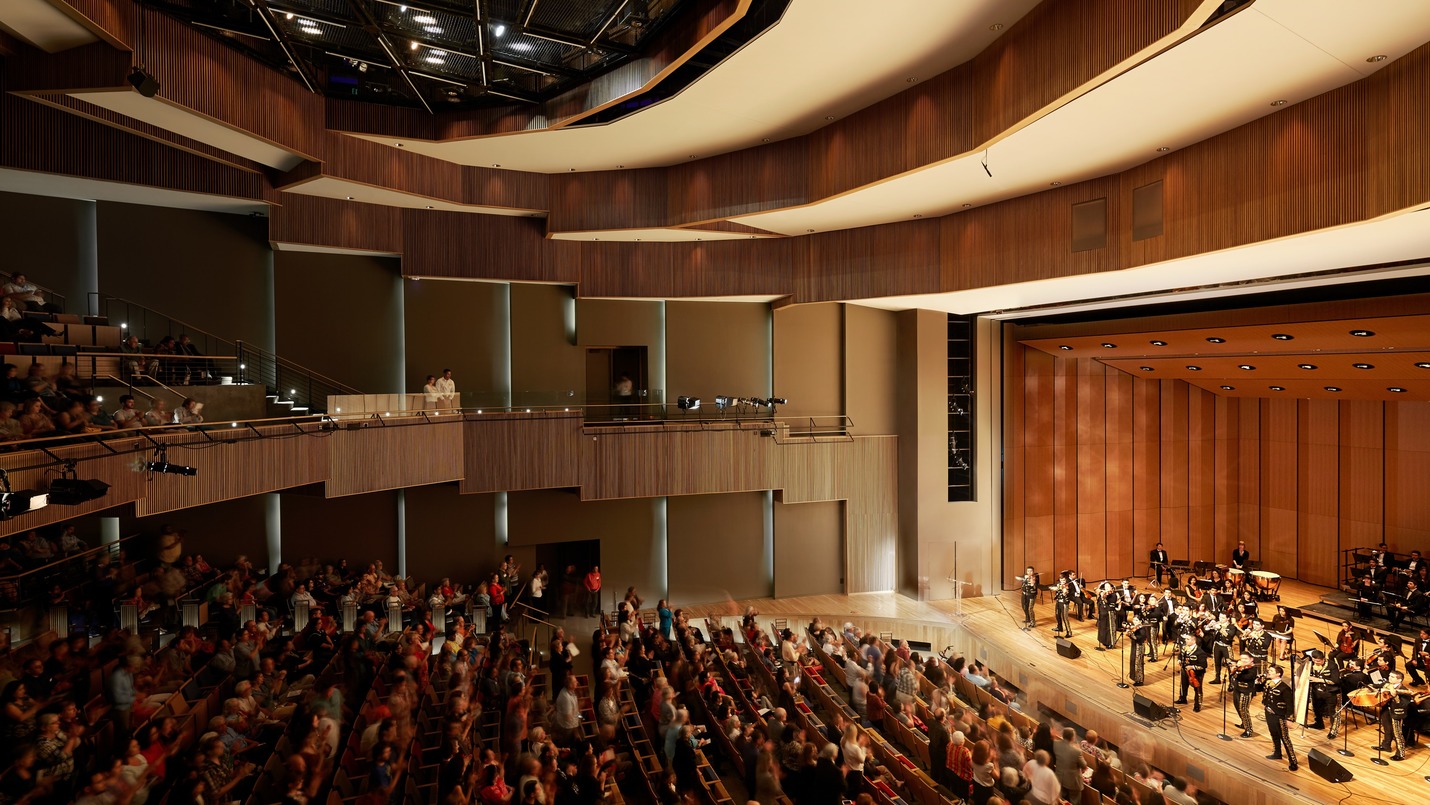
column 28, row 294
column 158, row 414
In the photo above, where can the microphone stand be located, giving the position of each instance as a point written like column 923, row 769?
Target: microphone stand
column 1344, row 751
column 1174, row 680
column 1379, row 740
column 1122, row 666
column 1224, row 735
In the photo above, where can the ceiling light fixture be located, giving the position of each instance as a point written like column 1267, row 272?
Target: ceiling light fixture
column 1379, row 57
column 1163, row 149
column 1246, row 367
column 412, row 45
column 499, row 30
column 910, row 80
column 1362, row 333
column 1395, row 389
column 1158, row 343
column 765, row 140
column 918, row 215
column 350, row 198
column 1307, row 366
column 1192, row 368
column 1332, row 388
column 1108, row 345
column 1215, row 340
column 1228, row 388
column 1280, row 102
column 1363, row 365
column 1423, row 365
column 1277, row 388
column 1064, row 347
column 1054, row 184
column 1282, row 336
column 997, row 26
column 829, row 117
column 966, row 206
column 1145, row 368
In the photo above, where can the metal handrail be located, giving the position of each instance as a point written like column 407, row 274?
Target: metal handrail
column 51, row 567
column 281, row 361
column 54, row 296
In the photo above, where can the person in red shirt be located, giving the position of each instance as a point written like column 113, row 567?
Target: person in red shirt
column 592, row 583
column 498, row 598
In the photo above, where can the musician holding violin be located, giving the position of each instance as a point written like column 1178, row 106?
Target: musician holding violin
column 1194, row 670
column 1347, row 643
column 1243, row 682
column 1029, row 589
column 1062, row 598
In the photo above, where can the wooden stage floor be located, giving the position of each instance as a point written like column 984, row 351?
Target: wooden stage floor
column 1236, row 771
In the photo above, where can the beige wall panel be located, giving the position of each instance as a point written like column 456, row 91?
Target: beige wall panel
column 359, row 528
column 809, row 548
column 715, row 548
column 678, row 460
column 460, row 326
column 341, row 315
column 719, row 348
column 870, row 369
column 809, row 363
column 546, row 365
column 450, row 534
column 631, row 554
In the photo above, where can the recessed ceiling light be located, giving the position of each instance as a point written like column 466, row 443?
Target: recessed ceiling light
column 1423, row 365
column 399, row 145
column 1216, row 340
column 1332, row 388
column 1363, row 365
column 997, row 26
column 829, row 117
column 910, row 80
column 1282, row 336
column 1307, row 366
column 1228, row 388
column 620, row 166
column 765, row 140
column 1396, row 389
column 693, row 156
column 1108, row 345
column 966, row 206
column 412, row 45
column 1145, row 368
column 1246, row 367
column 1158, row 343
column 918, row 215
column 1163, row 149
column 1277, row 388
column 1194, row 368
column 809, row 230
column 1280, row 102
column 1362, row 333
column 1054, row 184
column 1064, row 346
column 350, row 198
column 1379, row 57
column 496, row 164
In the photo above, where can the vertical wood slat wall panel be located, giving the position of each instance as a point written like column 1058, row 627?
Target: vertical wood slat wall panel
column 1227, row 467
column 1248, row 486
column 1407, row 474
column 1065, row 551
column 1318, row 492
column 1201, row 473
column 1092, row 466
column 1279, row 457
column 354, row 471
column 1016, row 461
column 1361, row 509
column 1146, row 469
column 1122, row 560
column 520, row 453
column 1038, row 469
column 1173, row 474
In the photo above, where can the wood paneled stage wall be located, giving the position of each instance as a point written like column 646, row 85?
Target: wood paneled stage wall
column 1101, row 465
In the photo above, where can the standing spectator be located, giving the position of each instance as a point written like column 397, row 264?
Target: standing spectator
column 1067, row 757
column 566, row 721
column 960, row 766
column 1046, row 788
column 592, row 583
column 447, row 387
column 570, row 589
column 431, row 397
column 121, row 696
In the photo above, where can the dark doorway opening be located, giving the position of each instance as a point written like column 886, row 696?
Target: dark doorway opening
column 617, row 384
column 568, row 596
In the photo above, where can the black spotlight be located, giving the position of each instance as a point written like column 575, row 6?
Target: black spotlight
column 14, row 504
column 71, row 491
column 724, row 401
column 687, row 403
column 165, row 468
column 146, row 84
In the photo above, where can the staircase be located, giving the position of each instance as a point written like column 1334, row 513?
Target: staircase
column 292, row 390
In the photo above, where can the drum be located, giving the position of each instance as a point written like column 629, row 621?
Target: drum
column 1237, row 576
column 1368, row 697
column 1268, row 584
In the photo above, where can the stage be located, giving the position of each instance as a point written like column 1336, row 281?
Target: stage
column 1084, row 691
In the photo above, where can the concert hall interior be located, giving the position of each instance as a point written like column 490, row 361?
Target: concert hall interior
column 938, row 371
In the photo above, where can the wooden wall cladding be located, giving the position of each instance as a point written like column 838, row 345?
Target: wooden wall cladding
column 316, row 221
column 362, row 460
column 236, row 470
column 678, row 460
column 38, row 137
column 1102, row 465
column 454, row 244
column 125, row 483
column 113, row 19
column 509, row 453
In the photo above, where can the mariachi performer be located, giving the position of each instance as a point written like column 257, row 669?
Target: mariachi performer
column 1243, row 685
column 1278, row 701
column 1062, row 598
column 1140, row 634
column 1029, row 589
column 1194, row 670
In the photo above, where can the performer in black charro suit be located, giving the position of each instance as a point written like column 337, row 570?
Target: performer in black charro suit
column 1062, row 599
column 1325, row 693
column 1243, row 684
column 1194, row 670
column 1223, row 632
column 1256, row 643
column 1029, row 589
column 1139, row 633
column 1392, row 715
column 1106, row 607
column 1278, row 701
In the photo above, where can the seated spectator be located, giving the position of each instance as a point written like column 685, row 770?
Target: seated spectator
column 98, row 418
column 37, row 549
column 69, row 385
column 194, row 372
column 70, row 543
column 26, row 293
column 10, row 427
column 127, row 416
column 135, row 363
column 35, row 420
column 37, row 384
column 162, row 352
column 158, row 414
column 188, row 412
column 16, row 327
column 72, row 420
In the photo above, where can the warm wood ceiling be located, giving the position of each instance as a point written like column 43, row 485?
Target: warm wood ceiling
column 1381, row 358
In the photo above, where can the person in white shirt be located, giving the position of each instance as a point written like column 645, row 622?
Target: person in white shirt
column 430, row 395
column 157, row 414
column 188, row 413
column 447, row 387
column 28, row 294
column 567, row 718
column 1046, row 790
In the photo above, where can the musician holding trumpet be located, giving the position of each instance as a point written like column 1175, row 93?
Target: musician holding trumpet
column 1243, row 683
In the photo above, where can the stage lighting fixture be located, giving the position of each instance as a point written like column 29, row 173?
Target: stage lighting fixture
column 724, row 401
column 72, row 491
column 14, row 504
column 687, row 403
column 773, row 401
column 165, row 468
column 146, row 84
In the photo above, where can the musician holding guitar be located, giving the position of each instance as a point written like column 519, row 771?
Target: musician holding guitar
column 1398, row 701
column 1194, row 669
